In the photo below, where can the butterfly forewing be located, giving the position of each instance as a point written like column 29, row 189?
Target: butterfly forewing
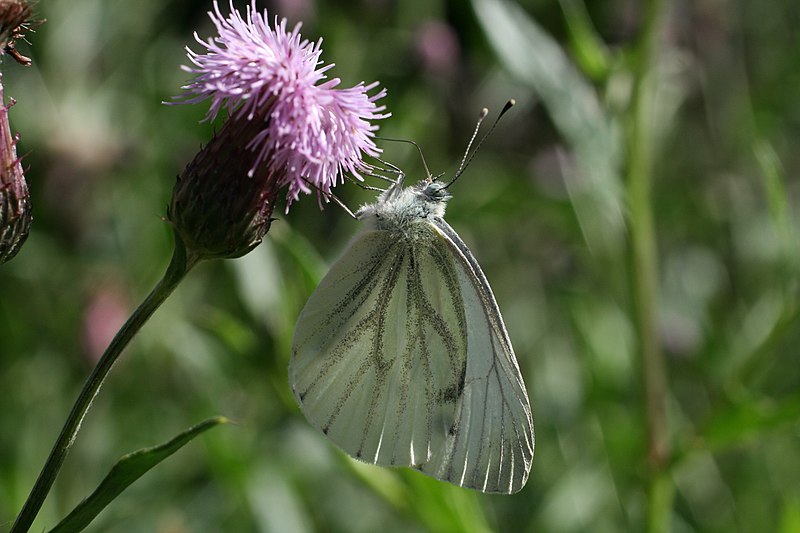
column 378, row 355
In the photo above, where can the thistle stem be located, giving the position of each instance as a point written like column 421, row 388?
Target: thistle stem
column 179, row 266
column 644, row 260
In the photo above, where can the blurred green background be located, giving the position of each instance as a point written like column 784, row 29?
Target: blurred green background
column 639, row 199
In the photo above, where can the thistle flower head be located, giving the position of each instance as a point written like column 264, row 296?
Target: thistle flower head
column 311, row 133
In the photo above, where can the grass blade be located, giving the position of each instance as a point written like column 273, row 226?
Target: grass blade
column 127, row 470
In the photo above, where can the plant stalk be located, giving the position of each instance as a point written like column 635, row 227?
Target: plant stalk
column 179, row 266
column 644, row 259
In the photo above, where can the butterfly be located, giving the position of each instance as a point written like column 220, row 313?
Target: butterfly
column 401, row 356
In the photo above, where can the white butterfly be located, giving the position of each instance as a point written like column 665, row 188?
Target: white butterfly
column 401, row 356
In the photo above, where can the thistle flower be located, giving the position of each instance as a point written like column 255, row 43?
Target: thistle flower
column 15, row 208
column 287, row 127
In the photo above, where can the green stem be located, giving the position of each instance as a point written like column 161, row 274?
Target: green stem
column 660, row 496
column 177, row 269
column 644, row 258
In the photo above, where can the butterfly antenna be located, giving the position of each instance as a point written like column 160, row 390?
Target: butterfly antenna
column 421, row 155
column 467, row 159
column 482, row 116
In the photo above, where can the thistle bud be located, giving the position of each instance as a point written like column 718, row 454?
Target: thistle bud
column 218, row 209
column 15, row 208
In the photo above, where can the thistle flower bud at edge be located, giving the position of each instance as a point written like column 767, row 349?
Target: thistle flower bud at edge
column 15, row 207
column 13, row 15
column 15, row 22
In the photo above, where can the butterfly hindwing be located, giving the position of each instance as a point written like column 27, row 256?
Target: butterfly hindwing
column 491, row 448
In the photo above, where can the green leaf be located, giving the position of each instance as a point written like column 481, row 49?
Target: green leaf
column 749, row 419
column 588, row 48
column 535, row 58
column 790, row 517
column 127, row 470
column 779, row 204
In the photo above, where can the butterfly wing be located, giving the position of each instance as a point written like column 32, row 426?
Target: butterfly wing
column 402, row 359
column 378, row 353
column 490, row 447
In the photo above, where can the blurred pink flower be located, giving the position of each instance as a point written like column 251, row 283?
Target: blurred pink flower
column 103, row 317
column 437, row 48
column 310, row 132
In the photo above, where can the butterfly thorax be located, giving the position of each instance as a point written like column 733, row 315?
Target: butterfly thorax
column 401, row 210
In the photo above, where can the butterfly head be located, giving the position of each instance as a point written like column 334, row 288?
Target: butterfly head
column 433, row 191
